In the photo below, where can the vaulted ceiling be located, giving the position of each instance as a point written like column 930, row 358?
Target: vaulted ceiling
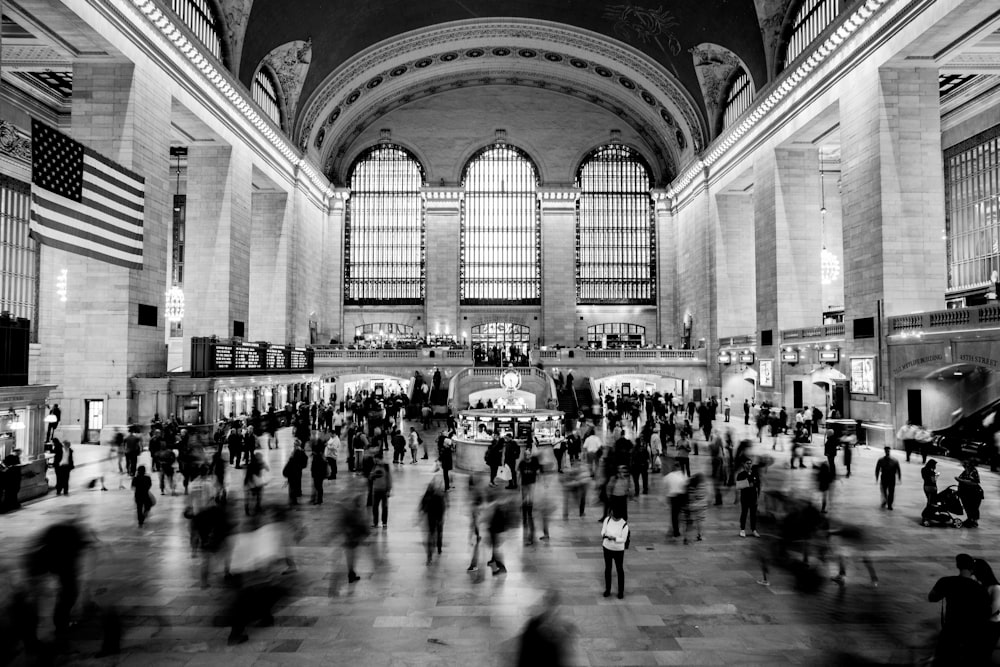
column 652, row 64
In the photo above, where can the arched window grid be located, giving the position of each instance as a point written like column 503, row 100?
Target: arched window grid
column 616, row 334
column 200, row 18
column 501, row 343
column 739, row 99
column 615, row 241
column 265, row 94
column 501, row 229
column 811, row 19
column 384, row 236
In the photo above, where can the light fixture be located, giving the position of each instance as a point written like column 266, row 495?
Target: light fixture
column 829, row 265
column 14, row 422
column 62, row 284
column 175, row 304
column 177, row 190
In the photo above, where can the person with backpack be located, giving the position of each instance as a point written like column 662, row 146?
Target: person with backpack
column 615, row 536
column 381, row 486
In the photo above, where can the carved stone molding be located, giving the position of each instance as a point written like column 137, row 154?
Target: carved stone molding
column 290, row 63
column 498, row 46
column 14, row 143
column 771, row 16
column 714, row 65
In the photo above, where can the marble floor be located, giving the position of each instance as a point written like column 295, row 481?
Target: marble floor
column 684, row 605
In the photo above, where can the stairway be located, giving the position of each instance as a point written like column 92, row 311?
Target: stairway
column 584, row 398
column 567, row 401
column 439, row 396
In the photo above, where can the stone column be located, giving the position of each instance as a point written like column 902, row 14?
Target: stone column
column 91, row 344
column 558, row 208
column 217, row 261
column 736, row 284
column 270, row 219
column 443, row 216
column 666, row 269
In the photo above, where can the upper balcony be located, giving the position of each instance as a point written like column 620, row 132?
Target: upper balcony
column 946, row 321
column 332, row 355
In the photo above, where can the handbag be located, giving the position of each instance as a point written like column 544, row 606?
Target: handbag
column 152, row 499
column 503, row 474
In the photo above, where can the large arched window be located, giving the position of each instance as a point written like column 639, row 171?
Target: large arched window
column 501, row 239
column 738, row 99
column 811, row 19
column 615, row 247
column 265, row 94
column 384, row 235
column 199, row 16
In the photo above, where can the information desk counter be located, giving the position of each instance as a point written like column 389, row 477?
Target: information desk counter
column 476, row 429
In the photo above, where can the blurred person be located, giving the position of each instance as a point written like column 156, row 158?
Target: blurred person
column 889, row 470
column 592, row 447
column 970, row 491
column 499, row 520
column 133, row 447
column 830, row 445
column 618, row 491
column 167, row 461
column 848, row 443
column 545, row 639
column 966, row 612
column 494, row 458
column 824, row 482
column 297, row 462
column 683, row 453
column 544, row 503
column 985, row 576
column 142, row 485
column 331, row 451
column 217, row 468
column 353, row 528
column 511, row 453
column 254, row 481
column 639, row 465
column 748, row 485
column 446, row 451
column 696, row 507
column 414, row 443
column 575, row 485
column 432, row 506
column 675, row 483
column 319, row 471
column 528, row 470
column 478, row 506
column 615, row 536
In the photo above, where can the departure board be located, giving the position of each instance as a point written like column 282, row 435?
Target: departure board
column 212, row 357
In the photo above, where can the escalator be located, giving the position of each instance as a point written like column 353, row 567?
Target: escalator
column 971, row 435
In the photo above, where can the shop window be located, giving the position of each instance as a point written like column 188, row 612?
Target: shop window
column 616, row 335
column 615, row 245
column 384, row 232
column 501, row 233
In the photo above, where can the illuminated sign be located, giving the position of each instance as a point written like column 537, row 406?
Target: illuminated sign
column 725, row 358
column 863, row 375
column 747, row 357
column 790, row 357
column 829, row 356
column 766, row 374
column 210, row 357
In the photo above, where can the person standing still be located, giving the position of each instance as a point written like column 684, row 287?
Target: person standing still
column 889, row 470
column 676, row 486
column 970, row 492
column 381, row 490
column 142, row 484
column 615, row 534
column 746, row 412
column 748, row 483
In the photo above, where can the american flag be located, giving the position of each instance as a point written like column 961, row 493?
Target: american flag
column 82, row 202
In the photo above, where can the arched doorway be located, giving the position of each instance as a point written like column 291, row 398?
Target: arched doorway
column 500, row 344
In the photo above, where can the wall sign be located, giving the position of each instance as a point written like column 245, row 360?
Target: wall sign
column 829, row 356
column 791, row 357
column 725, row 358
column 212, row 358
column 747, row 357
column 862, row 375
column 766, row 373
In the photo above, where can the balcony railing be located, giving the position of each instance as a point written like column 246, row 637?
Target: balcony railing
column 738, row 341
column 806, row 333
column 955, row 318
column 458, row 357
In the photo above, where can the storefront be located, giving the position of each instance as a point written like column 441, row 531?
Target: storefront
column 22, row 426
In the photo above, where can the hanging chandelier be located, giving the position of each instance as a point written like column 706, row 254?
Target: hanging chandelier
column 175, row 304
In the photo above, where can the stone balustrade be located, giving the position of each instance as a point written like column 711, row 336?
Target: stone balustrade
column 944, row 320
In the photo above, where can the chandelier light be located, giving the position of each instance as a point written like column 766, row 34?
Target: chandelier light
column 829, row 267
column 829, row 264
column 175, row 304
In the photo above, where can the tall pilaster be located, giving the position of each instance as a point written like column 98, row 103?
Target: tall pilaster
column 558, row 209
column 92, row 343
column 666, row 269
column 217, row 261
column 270, row 223
column 736, row 285
column 334, row 264
column 443, row 215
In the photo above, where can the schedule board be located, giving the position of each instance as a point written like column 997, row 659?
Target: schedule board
column 212, row 358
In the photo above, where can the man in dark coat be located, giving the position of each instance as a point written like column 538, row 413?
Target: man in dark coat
column 511, row 453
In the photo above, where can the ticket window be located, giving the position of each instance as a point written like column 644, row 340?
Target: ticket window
column 93, row 410
column 190, row 411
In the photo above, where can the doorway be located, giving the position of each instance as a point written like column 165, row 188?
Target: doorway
column 94, row 411
column 913, row 409
column 796, row 394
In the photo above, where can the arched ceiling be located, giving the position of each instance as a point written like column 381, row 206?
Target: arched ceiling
column 637, row 61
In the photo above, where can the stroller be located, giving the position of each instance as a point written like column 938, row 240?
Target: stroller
column 943, row 510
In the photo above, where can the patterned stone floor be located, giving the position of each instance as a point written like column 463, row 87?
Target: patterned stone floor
column 696, row 605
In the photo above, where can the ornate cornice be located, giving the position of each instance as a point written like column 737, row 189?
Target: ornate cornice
column 14, row 143
column 495, row 47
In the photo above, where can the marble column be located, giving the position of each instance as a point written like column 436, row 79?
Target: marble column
column 443, row 216
column 558, row 209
